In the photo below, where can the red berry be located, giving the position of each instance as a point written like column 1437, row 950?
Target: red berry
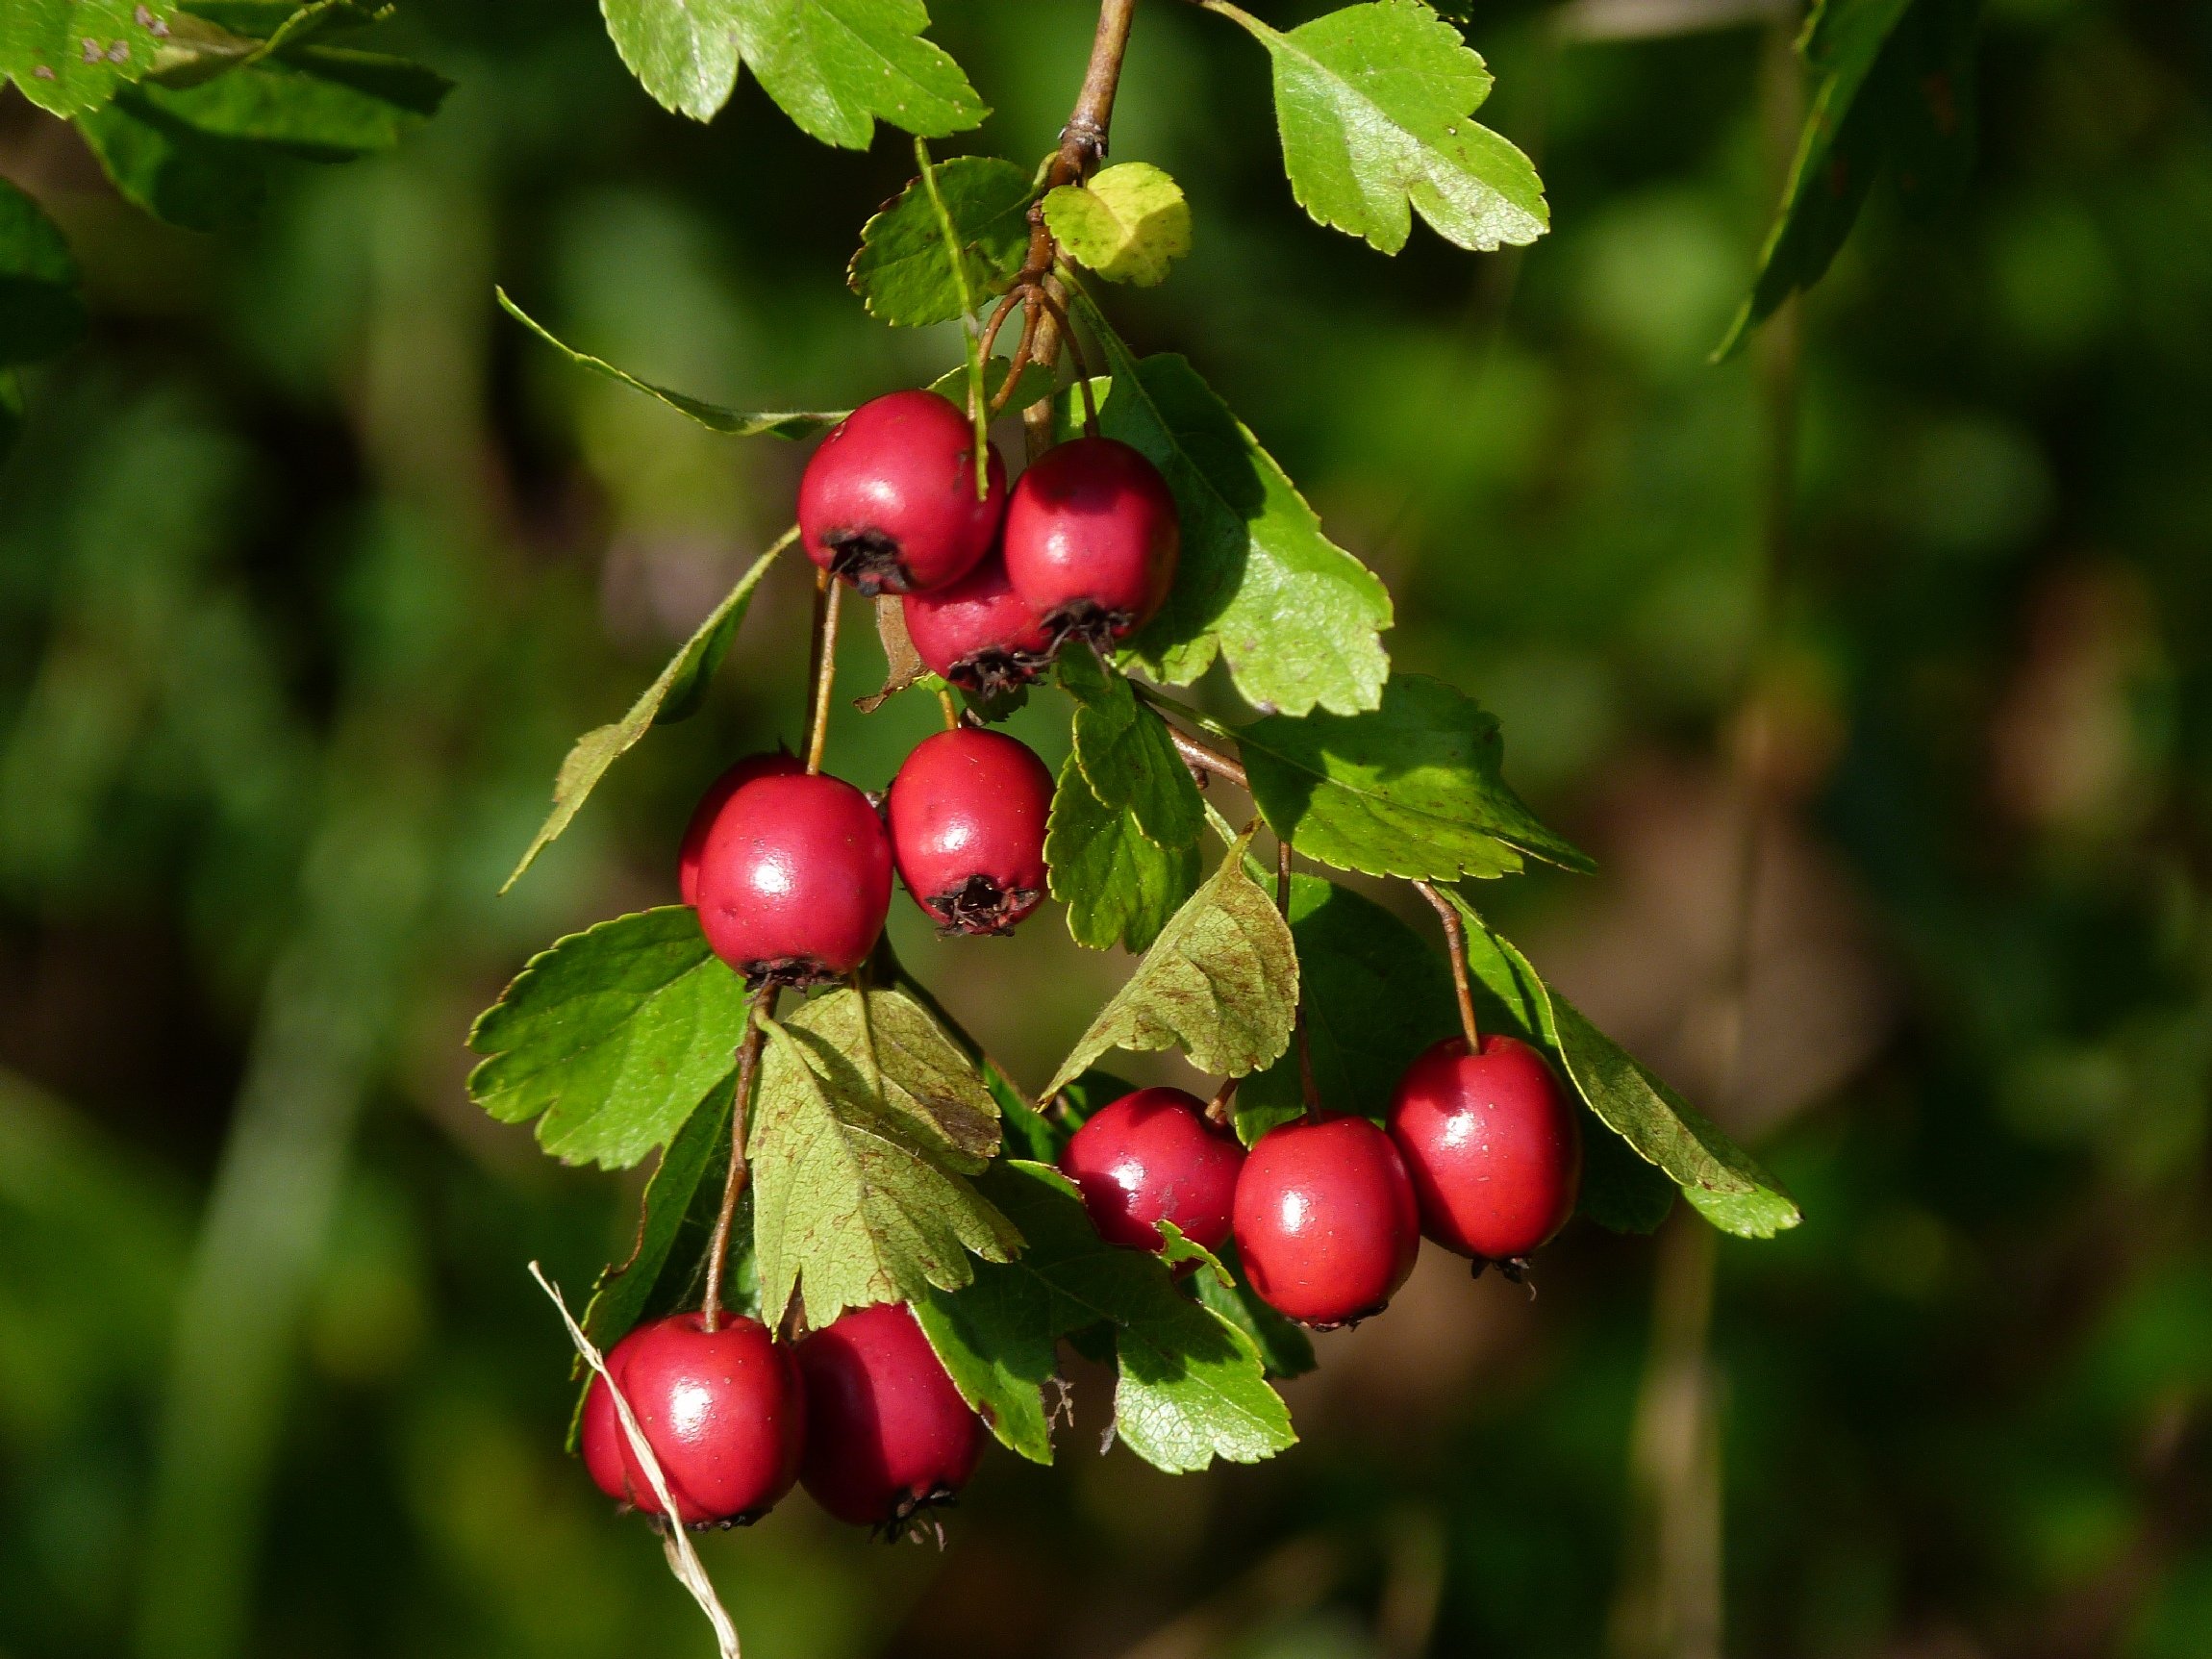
column 979, row 633
column 794, row 880
column 710, row 807
column 889, row 501
column 887, row 1433
column 1092, row 539
column 1153, row 1157
column 1493, row 1145
column 1327, row 1221
column 968, row 817
column 723, row 1410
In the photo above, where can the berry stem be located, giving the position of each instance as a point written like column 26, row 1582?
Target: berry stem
column 748, row 1063
column 1222, row 1108
column 1204, row 758
column 1456, row 936
column 828, row 592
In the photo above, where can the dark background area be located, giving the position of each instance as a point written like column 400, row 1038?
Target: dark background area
column 311, row 564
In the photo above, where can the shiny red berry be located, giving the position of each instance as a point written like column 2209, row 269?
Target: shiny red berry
column 1092, row 539
column 978, row 633
column 1325, row 1220
column 1153, row 1157
column 794, row 880
column 723, row 1410
column 710, row 807
column 1490, row 1141
column 888, row 1435
column 967, row 814
column 889, row 501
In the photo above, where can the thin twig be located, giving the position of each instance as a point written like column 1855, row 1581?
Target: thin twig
column 1312, row 1090
column 1205, row 758
column 824, row 671
column 1456, row 936
column 1221, row 1108
column 748, row 1063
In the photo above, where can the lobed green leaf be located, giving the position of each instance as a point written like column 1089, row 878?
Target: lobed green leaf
column 1129, row 223
column 1297, row 620
column 1375, row 106
column 71, row 57
column 674, row 695
column 1191, row 1385
column 867, row 1119
column 1221, row 983
column 903, row 272
column 1414, row 788
column 1127, row 756
column 1120, row 886
column 610, row 1038
column 173, row 171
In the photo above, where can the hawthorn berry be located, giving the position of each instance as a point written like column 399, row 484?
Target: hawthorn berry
column 967, row 814
column 889, row 501
column 1490, row 1141
column 978, row 633
column 794, row 880
column 724, row 1412
column 709, row 806
column 1092, row 539
column 1153, row 1157
column 888, row 1435
column 1325, row 1220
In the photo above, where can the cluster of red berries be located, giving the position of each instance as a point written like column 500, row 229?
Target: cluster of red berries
column 790, row 872
column 1483, row 1155
column 1084, row 547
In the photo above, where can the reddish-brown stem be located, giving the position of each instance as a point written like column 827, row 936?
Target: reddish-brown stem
column 748, row 1062
column 1220, row 1109
column 1455, row 938
column 826, row 606
column 1204, row 758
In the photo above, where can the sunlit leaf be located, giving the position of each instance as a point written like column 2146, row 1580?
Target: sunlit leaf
column 1129, row 223
column 1120, row 886
column 903, row 272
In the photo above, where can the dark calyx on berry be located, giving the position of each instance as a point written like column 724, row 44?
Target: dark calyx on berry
column 980, row 905
column 889, row 501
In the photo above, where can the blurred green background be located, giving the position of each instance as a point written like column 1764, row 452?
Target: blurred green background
column 311, row 564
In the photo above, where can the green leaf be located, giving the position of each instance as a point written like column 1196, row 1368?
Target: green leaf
column 1120, row 886
column 1620, row 1191
column 903, row 272
column 675, row 695
column 1129, row 224
column 1374, row 105
column 868, row 1119
column 1413, row 788
column 834, row 66
column 41, row 312
column 1127, row 756
column 675, row 1224
column 784, row 423
column 1284, row 1349
column 320, row 103
column 72, row 55
column 173, row 171
column 1376, row 994
column 1221, row 983
column 1892, row 83
column 1725, row 1182
column 1191, row 1385
column 612, row 1038
column 1297, row 620
column 11, row 410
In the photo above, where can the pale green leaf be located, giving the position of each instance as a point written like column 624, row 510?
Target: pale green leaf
column 1413, row 788
column 1297, row 620
column 683, row 52
column 1129, row 224
column 867, row 1119
column 1221, row 983
column 903, row 271
column 41, row 312
column 1119, row 886
column 612, row 1038
column 72, row 55
column 1374, row 104
column 1127, row 756
column 1191, row 1385
column 674, row 696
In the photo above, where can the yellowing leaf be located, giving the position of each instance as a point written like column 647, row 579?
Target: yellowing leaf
column 1129, row 224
